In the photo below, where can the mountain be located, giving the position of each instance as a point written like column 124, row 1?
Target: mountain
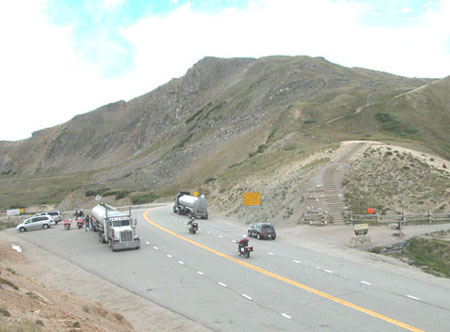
column 226, row 119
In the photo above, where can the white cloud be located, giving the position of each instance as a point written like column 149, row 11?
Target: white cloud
column 43, row 83
column 406, row 10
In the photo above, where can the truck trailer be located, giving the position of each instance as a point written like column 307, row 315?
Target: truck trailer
column 115, row 227
column 190, row 205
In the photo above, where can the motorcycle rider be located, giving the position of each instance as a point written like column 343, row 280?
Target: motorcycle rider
column 191, row 220
column 242, row 243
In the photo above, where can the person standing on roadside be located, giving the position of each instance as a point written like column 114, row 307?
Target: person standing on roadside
column 87, row 224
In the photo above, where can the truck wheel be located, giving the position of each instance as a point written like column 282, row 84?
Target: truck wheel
column 258, row 236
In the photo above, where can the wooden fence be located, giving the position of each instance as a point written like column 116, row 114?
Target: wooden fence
column 405, row 218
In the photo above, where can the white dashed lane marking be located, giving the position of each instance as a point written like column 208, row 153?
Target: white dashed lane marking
column 366, row 283
column 286, row 315
column 200, row 272
column 170, row 256
column 147, row 242
column 247, row 297
column 222, row 284
column 296, row 261
column 156, row 248
column 270, row 253
column 413, row 297
column 181, row 262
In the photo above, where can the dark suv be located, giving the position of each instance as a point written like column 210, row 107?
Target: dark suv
column 262, row 230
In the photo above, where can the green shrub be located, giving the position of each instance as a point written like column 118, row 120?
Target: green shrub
column 389, row 122
column 309, row 121
column 121, row 194
column 211, row 179
column 90, row 193
column 101, row 191
column 143, row 198
column 4, row 312
column 9, row 283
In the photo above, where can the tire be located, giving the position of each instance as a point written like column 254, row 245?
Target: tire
column 45, row 226
column 258, row 236
column 193, row 231
column 274, row 238
column 249, row 234
column 247, row 254
column 22, row 229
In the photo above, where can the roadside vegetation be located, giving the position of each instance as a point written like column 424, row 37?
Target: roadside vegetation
column 431, row 255
column 392, row 181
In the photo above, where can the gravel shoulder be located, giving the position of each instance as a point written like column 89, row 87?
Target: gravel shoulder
column 72, row 289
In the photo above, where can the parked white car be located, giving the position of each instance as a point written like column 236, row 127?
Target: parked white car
column 55, row 215
column 36, row 222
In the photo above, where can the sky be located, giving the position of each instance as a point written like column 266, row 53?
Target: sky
column 61, row 58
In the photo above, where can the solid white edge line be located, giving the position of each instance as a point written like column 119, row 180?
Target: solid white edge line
column 366, row 283
column 286, row 315
column 221, row 284
column 247, row 297
column 413, row 297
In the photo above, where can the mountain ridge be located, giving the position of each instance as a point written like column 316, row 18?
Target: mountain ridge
column 224, row 112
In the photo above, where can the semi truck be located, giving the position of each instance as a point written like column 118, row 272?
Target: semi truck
column 193, row 206
column 116, row 228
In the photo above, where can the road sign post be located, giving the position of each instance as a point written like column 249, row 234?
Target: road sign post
column 251, row 199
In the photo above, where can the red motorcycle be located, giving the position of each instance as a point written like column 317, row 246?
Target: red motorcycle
column 80, row 222
column 67, row 223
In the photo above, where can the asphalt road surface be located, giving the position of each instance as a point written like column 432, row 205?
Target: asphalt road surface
column 279, row 288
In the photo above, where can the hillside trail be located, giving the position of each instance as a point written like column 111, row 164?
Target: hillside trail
column 325, row 186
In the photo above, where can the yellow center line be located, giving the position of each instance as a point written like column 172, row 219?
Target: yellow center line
column 286, row 280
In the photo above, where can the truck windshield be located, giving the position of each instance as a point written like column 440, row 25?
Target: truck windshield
column 119, row 223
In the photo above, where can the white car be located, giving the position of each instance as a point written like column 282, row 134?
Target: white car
column 55, row 215
column 36, row 222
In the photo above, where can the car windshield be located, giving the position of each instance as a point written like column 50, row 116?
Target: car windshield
column 267, row 227
column 119, row 223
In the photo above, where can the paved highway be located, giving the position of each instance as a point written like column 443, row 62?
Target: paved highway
column 279, row 288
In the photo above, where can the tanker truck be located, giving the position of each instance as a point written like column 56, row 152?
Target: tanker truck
column 115, row 227
column 193, row 206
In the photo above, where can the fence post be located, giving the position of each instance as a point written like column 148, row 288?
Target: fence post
column 376, row 215
column 429, row 217
column 351, row 217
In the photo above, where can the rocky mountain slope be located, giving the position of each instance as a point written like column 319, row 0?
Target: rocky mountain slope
column 225, row 122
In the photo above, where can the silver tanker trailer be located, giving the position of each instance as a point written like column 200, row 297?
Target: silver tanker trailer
column 193, row 206
column 115, row 227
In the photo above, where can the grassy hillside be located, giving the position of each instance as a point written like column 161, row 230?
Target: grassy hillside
column 230, row 120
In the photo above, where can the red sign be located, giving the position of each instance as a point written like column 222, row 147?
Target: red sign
column 370, row 211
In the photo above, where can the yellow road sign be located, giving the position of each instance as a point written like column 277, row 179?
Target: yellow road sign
column 252, row 198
